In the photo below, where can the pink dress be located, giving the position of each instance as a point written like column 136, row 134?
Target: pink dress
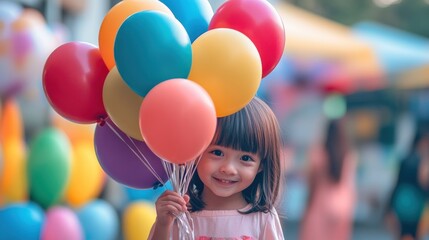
column 231, row 225
column 330, row 213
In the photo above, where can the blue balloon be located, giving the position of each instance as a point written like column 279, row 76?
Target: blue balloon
column 195, row 15
column 151, row 47
column 148, row 195
column 21, row 221
column 99, row 220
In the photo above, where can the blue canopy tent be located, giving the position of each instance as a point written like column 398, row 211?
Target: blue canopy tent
column 398, row 51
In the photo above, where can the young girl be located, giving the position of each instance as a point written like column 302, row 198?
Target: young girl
column 233, row 193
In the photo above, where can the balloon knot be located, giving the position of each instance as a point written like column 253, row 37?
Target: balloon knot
column 101, row 121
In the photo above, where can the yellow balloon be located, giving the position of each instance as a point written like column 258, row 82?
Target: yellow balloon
column 227, row 64
column 138, row 219
column 87, row 178
column 114, row 19
column 122, row 104
column 13, row 181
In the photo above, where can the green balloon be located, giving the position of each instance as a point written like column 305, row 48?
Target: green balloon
column 49, row 166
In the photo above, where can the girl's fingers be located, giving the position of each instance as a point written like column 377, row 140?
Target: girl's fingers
column 169, row 209
column 169, row 200
column 170, row 204
column 170, row 196
column 186, row 198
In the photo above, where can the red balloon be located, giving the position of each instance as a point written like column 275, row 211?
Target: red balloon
column 73, row 79
column 259, row 21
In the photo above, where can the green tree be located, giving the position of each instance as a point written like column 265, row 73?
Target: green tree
column 408, row 15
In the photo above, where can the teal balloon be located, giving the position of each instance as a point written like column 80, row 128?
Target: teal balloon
column 99, row 220
column 21, row 221
column 151, row 47
column 48, row 168
column 195, row 15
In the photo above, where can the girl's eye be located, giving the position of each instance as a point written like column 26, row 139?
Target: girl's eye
column 246, row 158
column 217, row 152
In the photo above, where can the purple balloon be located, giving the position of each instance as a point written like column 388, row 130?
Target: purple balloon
column 115, row 154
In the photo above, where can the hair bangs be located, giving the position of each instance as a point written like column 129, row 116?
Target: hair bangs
column 240, row 131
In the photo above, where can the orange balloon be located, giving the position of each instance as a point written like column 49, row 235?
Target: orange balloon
column 178, row 120
column 11, row 124
column 114, row 19
column 87, row 178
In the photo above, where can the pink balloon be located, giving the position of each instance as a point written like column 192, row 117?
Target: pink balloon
column 177, row 120
column 61, row 223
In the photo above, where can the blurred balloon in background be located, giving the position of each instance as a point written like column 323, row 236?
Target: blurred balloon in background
column 9, row 12
column 48, row 168
column 61, row 223
column 25, row 43
column 138, row 218
column 1, row 173
column 74, row 131
column 195, row 15
column 87, row 178
column 21, row 221
column 99, row 221
column 13, row 180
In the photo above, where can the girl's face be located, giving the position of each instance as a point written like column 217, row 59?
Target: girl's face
column 226, row 172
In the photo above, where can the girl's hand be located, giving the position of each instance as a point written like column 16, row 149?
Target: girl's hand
column 168, row 205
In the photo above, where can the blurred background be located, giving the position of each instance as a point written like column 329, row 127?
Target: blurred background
column 362, row 66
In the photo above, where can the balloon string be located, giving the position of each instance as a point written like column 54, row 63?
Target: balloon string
column 180, row 177
column 144, row 161
column 181, row 174
column 148, row 165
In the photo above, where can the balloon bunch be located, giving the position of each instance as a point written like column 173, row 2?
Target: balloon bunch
column 63, row 179
column 162, row 74
column 27, row 220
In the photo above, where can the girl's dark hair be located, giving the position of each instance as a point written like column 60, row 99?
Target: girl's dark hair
column 336, row 146
column 252, row 129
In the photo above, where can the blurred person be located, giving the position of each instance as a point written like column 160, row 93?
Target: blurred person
column 411, row 190
column 331, row 183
